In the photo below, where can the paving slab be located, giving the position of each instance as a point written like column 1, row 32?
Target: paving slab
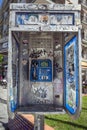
column 24, row 122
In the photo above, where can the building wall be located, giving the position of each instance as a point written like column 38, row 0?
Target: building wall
column 4, row 15
column 84, row 38
column 4, row 25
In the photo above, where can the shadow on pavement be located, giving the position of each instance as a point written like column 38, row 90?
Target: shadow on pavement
column 69, row 123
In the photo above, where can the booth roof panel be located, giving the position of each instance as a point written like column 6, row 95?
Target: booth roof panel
column 37, row 28
column 33, row 6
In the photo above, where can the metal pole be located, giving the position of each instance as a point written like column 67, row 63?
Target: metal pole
column 38, row 122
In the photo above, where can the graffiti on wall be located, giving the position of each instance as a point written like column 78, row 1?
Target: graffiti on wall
column 40, row 93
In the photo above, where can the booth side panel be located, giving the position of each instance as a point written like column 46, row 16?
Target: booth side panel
column 10, row 80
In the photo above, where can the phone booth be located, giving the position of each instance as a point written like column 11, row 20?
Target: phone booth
column 44, row 59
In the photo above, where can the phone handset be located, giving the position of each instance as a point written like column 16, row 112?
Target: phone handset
column 34, row 70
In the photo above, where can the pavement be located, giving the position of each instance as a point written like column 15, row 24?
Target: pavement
column 3, row 108
column 84, row 94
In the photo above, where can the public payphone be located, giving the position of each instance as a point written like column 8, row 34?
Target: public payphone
column 44, row 71
column 41, row 70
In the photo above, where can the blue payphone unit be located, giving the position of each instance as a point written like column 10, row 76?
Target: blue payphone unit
column 41, row 70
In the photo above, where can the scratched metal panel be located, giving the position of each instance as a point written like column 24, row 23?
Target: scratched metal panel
column 22, row 17
column 27, row 94
column 41, row 93
column 33, row 6
column 24, row 70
